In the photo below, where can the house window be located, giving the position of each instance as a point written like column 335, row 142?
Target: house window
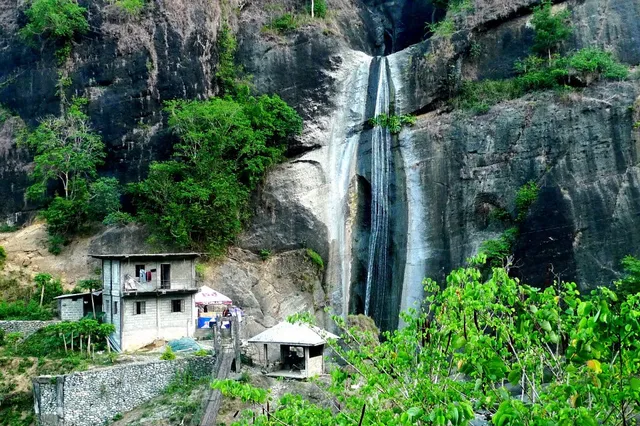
column 115, row 308
column 138, row 269
column 165, row 276
column 177, row 305
column 140, row 308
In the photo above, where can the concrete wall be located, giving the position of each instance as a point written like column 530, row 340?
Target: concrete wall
column 182, row 272
column 95, row 397
column 158, row 322
column 71, row 309
column 25, row 327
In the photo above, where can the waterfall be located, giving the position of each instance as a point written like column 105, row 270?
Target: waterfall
column 380, row 170
column 345, row 133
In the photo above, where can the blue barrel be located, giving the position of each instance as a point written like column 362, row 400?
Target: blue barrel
column 203, row 322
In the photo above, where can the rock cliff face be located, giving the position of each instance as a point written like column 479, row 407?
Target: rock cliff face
column 581, row 149
column 127, row 67
column 449, row 171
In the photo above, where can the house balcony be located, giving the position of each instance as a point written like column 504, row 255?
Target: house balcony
column 132, row 287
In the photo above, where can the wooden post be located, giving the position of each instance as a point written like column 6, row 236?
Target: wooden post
column 266, row 356
column 236, row 342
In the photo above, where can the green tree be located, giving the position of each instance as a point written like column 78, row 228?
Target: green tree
column 58, row 19
column 3, row 256
column 91, row 285
column 199, row 199
column 573, row 359
column 67, row 153
column 551, row 29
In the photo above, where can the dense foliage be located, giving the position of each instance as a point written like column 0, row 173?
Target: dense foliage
column 551, row 29
column 513, row 354
column 36, row 305
column 544, row 69
column 66, row 337
column 57, row 19
column 131, row 7
column 393, row 122
column 67, row 154
column 199, row 198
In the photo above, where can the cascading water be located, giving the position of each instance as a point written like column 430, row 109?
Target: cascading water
column 345, row 134
column 378, row 262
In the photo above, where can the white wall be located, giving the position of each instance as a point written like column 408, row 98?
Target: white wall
column 158, row 322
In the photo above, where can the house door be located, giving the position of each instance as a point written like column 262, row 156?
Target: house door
column 165, row 275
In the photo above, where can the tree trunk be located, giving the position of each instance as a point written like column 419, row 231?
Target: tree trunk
column 42, row 295
column 312, row 7
column 93, row 306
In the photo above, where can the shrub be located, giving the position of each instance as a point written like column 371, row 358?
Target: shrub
column 118, row 218
column 168, row 354
column 551, row 29
column 55, row 243
column 245, row 377
column 58, row 339
column 202, row 352
column 7, row 228
column 265, row 254
column 131, row 7
column 479, row 96
column 57, row 19
column 497, row 250
column 3, row 256
column 70, row 163
column 200, row 199
column 444, row 28
column 319, row 9
column 24, row 311
column 525, row 197
column 13, row 339
column 591, row 64
column 630, row 282
column 284, row 23
column 52, row 288
column 393, row 122
column 581, row 68
column 315, row 258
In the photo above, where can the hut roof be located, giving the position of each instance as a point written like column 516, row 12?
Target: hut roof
column 145, row 255
column 297, row 334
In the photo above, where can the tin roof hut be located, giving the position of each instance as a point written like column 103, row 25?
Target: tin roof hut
column 301, row 349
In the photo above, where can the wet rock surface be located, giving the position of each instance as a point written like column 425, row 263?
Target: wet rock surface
column 581, row 149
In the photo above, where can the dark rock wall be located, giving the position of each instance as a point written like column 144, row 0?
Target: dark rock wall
column 127, row 67
column 581, row 149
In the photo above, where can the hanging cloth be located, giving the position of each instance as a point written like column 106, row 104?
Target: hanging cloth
column 149, row 276
column 143, row 276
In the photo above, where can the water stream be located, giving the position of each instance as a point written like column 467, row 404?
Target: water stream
column 380, row 171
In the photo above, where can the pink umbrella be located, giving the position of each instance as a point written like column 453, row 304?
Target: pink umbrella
column 208, row 296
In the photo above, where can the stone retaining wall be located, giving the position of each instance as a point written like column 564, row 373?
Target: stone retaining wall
column 25, row 327
column 95, row 397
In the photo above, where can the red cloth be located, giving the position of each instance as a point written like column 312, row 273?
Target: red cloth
column 148, row 275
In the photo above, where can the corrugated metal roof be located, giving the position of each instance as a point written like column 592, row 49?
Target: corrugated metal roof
column 66, row 296
column 298, row 334
column 142, row 255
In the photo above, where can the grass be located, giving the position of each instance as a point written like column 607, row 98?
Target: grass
column 576, row 70
column 315, row 258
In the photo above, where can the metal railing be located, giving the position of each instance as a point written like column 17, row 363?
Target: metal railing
column 133, row 285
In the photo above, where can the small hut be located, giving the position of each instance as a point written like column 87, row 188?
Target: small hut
column 301, row 349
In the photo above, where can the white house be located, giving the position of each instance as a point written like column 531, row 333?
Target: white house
column 148, row 297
